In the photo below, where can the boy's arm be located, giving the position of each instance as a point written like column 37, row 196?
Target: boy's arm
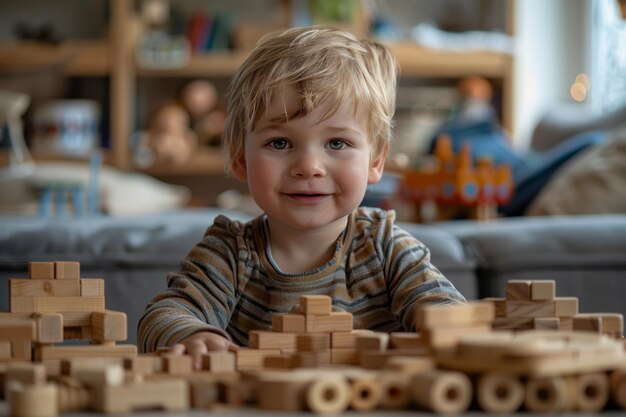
column 412, row 280
column 199, row 298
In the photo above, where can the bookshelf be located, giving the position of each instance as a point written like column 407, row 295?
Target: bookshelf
column 113, row 58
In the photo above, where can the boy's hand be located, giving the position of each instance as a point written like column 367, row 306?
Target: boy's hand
column 201, row 343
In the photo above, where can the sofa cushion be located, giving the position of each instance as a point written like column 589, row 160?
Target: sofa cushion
column 586, row 255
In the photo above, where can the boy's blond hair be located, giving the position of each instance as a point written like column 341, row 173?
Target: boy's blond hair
column 321, row 65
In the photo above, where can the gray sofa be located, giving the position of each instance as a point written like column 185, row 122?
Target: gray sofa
column 586, row 255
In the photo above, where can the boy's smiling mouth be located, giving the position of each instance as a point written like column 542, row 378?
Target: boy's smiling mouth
column 307, row 197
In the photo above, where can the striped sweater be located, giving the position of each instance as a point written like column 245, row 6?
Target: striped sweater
column 229, row 284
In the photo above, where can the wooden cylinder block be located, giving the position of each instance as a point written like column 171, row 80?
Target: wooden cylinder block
column 499, row 393
column 442, row 391
column 592, row 392
column 33, row 400
column 395, row 391
column 547, row 395
column 328, row 395
column 367, row 394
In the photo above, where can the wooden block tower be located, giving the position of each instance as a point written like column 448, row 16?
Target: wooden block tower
column 55, row 304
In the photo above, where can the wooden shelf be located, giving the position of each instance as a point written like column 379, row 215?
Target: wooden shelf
column 414, row 61
column 417, row 61
column 205, row 161
column 216, row 64
column 81, row 58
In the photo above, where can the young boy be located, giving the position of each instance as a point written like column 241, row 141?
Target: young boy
column 309, row 126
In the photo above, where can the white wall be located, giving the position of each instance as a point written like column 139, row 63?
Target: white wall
column 552, row 47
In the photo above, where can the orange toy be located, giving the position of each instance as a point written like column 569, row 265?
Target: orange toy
column 454, row 184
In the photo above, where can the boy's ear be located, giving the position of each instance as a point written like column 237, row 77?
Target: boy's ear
column 377, row 166
column 238, row 167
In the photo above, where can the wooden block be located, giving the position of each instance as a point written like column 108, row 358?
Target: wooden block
column 250, row 359
column 18, row 329
column 70, row 365
column 566, row 306
column 61, row 352
column 76, row 318
column 41, row 270
column 91, row 287
column 204, row 393
column 108, row 325
column 143, row 364
column 25, row 373
column 546, row 323
column 260, row 339
column 313, row 342
column 405, row 340
column 167, row 394
column 177, row 364
column 367, row 393
column 520, row 308
column 448, row 336
column 587, row 324
column 282, row 361
column 67, row 270
column 472, row 313
column 410, row 365
column 344, row 356
column 610, row 324
column 22, row 350
column 311, row 359
column 513, row 323
column 33, row 400
column 49, row 327
column 333, row 322
column 288, row 323
column 98, row 375
column 346, row 339
column 541, row 290
column 375, row 341
column 43, row 288
column 315, row 304
column 518, row 290
column 566, row 323
column 430, row 391
column 219, row 362
column 499, row 305
column 56, row 304
column 372, row 359
column 5, row 349
column 281, row 394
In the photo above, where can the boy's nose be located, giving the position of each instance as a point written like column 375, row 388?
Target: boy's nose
column 307, row 165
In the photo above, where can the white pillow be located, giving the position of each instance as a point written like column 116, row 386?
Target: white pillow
column 121, row 193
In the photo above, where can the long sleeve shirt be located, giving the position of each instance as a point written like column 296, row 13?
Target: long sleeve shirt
column 229, row 283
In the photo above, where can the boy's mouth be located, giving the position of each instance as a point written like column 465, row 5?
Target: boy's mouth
column 307, row 197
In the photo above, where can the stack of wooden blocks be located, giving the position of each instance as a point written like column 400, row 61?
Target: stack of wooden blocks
column 312, row 336
column 533, row 304
column 55, row 304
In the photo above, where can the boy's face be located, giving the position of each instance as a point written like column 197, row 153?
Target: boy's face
column 307, row 173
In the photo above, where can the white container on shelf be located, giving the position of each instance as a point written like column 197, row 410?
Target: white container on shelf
column 67, row 127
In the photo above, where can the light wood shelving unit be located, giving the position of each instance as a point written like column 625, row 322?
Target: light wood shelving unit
column 114, row 58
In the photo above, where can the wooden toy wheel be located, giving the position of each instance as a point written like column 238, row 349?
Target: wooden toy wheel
column 592, row 392
column 328, row 396
column 546, row 395
column 442, row 391
column 367, row 394
column 499, row 393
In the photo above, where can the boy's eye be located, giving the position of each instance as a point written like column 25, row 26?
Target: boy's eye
column 279, row 143
column 336, row 144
